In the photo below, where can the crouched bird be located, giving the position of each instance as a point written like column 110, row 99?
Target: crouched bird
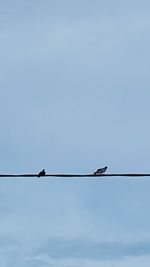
column 42, row 173
column 100, row 171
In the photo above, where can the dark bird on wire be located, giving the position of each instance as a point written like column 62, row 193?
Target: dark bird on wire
column 100, row 171
column 42, row 173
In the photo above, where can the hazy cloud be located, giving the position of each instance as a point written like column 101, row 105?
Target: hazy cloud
column 61, row 249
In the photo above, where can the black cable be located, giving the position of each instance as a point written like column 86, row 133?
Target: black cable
column 76, row 175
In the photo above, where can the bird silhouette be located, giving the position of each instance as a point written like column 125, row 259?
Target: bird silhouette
column 42, row 173
column 100, row 171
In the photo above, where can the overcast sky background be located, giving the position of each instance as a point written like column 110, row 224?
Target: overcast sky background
column 75, row 96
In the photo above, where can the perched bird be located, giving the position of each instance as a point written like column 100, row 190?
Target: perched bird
column 42, row 173
column 100, row 171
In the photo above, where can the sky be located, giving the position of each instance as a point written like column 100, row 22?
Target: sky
column 74, row 90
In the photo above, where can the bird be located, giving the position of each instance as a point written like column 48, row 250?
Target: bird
column 100, row 171
column 41, row 173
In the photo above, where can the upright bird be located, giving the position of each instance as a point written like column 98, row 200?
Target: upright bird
column 100, row 171
column 41, row 173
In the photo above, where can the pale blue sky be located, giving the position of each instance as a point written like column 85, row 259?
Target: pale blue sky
column 75, row 94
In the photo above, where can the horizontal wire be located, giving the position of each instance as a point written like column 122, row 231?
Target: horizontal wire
column 75, row 175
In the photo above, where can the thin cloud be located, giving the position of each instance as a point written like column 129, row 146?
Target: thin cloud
column 61, row 249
